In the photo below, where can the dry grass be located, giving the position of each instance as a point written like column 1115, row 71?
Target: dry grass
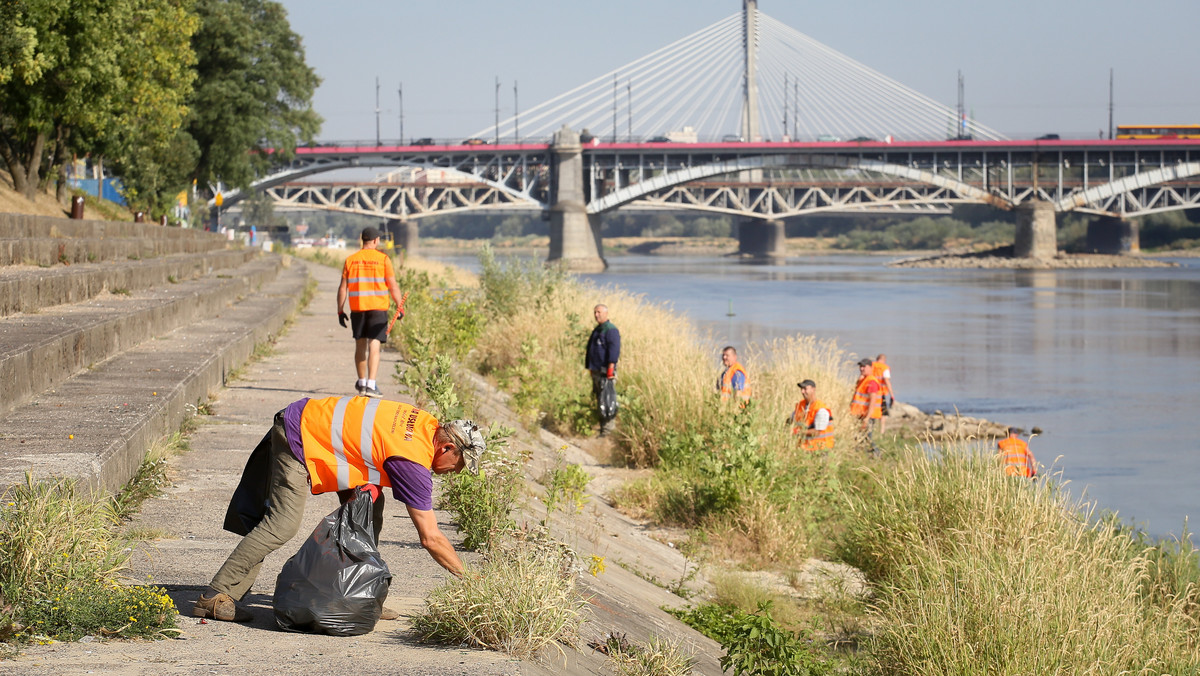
column 984, row 573
column 519, row 600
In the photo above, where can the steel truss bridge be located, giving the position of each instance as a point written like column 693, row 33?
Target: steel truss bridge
column 760, row 180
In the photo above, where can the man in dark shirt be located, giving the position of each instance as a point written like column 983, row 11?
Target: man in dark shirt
column 603, row 352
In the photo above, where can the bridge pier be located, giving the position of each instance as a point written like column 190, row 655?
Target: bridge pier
column 574, row 235
column 1113, row 235
column 404, row 234
column 762, row 238
column 1037, row 236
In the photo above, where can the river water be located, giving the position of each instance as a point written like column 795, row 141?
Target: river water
column 1106, row 362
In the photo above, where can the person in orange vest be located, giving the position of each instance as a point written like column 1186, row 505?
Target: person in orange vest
column 812, row 420
column 1015, row 455
column 367, row 280
column 335, row 445
column 866, row 404
column 733, row 378
column 887, row 398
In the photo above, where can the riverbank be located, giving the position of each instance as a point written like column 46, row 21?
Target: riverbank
column 1002, row 258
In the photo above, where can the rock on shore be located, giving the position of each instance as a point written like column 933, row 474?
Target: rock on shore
column 940, row 426
column 1002, row 258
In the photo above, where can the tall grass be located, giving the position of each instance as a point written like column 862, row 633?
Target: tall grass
column 979, row 572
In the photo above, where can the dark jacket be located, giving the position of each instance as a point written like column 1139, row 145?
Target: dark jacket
column 603, row 347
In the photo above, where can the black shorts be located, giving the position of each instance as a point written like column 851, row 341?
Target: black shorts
column 370, row 324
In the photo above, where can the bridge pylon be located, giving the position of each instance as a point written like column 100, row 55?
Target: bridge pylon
column 1036, row 236
column 762, row 238
column 574, row 236
column 1113, row 235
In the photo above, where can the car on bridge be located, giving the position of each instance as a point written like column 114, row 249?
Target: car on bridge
column 424, row 141
column 476, row 141
column 1047, row 137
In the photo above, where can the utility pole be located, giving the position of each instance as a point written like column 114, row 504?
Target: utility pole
column 1110, row 104
column 629, row 102
column 401, row 92
column 785, row 103
column 377, row 139
column 795, row 109
column 497, row 110
column 614, row 107
column 962, row 109
column 516, row 115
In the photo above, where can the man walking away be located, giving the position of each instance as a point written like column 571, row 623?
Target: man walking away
column 337, row 444
column 866, row 404
column 812, row 420
column 367, row 280
column 883, row 374
column 601, row 357
column 734, row 377
column 1015, row 455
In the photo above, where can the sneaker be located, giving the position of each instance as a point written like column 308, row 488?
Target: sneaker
column 372, row 392
column 389, row 614
column 358, row 388
column 220, row 607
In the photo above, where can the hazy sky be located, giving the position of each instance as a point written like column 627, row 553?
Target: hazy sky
column 1031, row 66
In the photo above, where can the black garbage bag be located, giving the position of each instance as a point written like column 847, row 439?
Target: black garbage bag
column 337, row 583
column 608, row 399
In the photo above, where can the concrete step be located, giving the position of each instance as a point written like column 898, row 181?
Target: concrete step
column 39, row 351
column 22, row 226
column 117, row 409
column 30, row 289
column 46, row 252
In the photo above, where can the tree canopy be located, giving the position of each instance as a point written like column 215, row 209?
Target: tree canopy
column 165, row 91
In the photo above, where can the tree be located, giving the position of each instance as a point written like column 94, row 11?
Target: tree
column 104, row 76
column 254, row 92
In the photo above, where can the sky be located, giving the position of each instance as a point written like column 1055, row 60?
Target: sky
column 1030, row 67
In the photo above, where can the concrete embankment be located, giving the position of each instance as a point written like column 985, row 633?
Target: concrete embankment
column 185, row 545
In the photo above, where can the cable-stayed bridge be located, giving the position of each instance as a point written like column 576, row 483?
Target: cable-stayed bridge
column 751, row 118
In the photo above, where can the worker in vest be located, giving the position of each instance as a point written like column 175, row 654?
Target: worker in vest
column 812, row 420
column 1015, row 456
column 866, row 405
column 335, row 445
column 367, row 280
column 733, row 378
column 882, row 373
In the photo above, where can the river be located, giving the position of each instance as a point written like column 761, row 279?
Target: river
column 1106, row 362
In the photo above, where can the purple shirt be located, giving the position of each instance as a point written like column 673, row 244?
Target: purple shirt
column 412, row 484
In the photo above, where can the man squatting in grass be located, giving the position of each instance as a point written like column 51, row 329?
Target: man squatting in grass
column 367, row 280
column 600, row 358
column 812, row 420
column 319, row 444
column 733, row 378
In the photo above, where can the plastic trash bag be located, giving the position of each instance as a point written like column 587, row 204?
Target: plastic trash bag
column 337, row 583
column 608, row 399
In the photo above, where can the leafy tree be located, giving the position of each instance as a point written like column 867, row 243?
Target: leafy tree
column 254, row 90
column 77, row 76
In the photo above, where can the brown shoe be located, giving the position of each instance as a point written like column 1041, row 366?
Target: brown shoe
column 389, row 614
column 220, row 607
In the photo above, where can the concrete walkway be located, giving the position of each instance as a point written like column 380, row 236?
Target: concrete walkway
column 314, row 358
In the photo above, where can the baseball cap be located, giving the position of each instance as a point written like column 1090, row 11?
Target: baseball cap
column 865, row 361
column 370, row 232
column 806, row 383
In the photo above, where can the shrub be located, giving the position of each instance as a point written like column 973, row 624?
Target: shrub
column 59, row 563
column 754, row 643
column 519, row 600
column 482, row 503
column 565, row 485
column 658, row 657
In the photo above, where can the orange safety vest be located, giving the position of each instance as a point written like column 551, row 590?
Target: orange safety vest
column 367, row 273
column 1016, row 458
column 804, row 418
column 865, row 404
column 347, row 439
column 877, row 370
column 726, row 382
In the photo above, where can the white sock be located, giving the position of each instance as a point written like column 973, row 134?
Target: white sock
column 370, row 384
column 360, row 383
